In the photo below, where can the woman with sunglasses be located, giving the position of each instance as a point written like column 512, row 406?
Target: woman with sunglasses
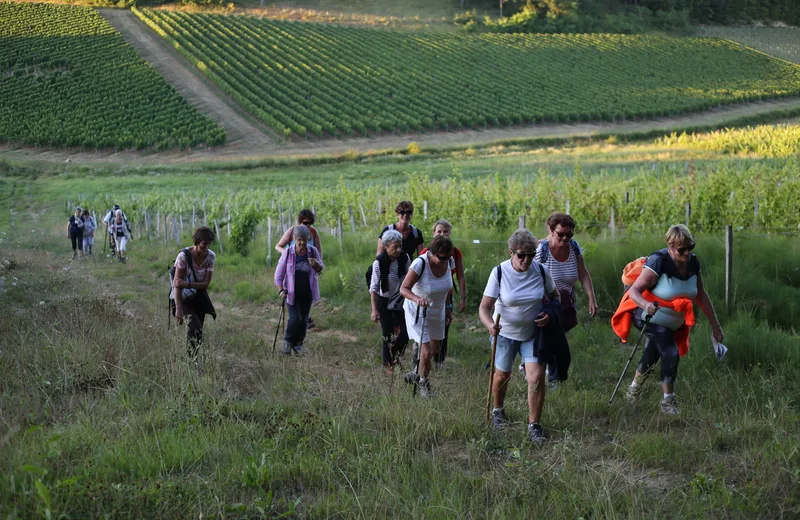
column 563, row 258
column 668, row 274
column 425, row 289
column 515, row 291
column 412, row 236
column 306, row 218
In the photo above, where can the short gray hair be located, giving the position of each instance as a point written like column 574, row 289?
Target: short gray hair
column 301, row 231
column 521, row 240
column 444, row 223
column 391, row 235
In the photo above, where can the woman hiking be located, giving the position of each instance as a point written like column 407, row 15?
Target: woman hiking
column 670, row 280
column 75, row 232
column 118, row 228
column 89, row 227
column 388, row 271
column 297, row 283
column 516, row 290
column 425, row 289
column 412, row 236
column 307, row 218
column 194, row 268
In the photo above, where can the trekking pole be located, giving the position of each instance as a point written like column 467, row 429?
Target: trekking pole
column 421, row 336
column 280, row 319
column 630, row 358
column 491, row 370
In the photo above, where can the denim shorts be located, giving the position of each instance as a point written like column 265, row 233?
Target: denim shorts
column 507, row 350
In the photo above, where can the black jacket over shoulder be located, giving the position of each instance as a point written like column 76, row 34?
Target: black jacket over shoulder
column 551, row 344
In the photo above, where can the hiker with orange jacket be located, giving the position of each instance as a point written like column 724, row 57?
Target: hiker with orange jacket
column 669, row 282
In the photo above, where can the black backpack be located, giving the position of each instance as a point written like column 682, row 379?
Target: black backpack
column 171, row 309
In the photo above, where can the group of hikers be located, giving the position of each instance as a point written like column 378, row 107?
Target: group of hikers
column 528, row 304
column 82, row 226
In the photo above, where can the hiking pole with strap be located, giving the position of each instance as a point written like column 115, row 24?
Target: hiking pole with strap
column 491, row 370
column 278, row 328
column 421, row 336
column 633, row 352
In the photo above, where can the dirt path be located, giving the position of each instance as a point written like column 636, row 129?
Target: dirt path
column 248, row 139
column 243, row 133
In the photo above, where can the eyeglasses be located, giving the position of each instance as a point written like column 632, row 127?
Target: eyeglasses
column 568, row 234
column 684, row 249
column 523, row 256
column 404, row 212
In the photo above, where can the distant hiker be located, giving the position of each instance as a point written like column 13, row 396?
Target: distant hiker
column 388, row 271
column 444, row 228
column 296, row 280
column 75, row 232
column 425, row 289
column 563, row 258
column 307, row 218
column 107, row 220
column 89, row 227
column 121, row 232
column 413, row 240
column 194, row 268
column 665, row 289
column 515, row 291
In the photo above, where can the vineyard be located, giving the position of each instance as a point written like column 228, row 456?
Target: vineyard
column 317, row 80
column 646, row 198
column 781, row 140
column 67, row 78
column 783, row 42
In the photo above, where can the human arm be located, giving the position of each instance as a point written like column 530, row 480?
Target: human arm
column 315, row 263
column 588, row 288
column 68, row 225
column 708, row 309
column 644, row 282
column 375, row 315
column 280, row 273
column 284, row 241
column 485, row 314
column 405, row 289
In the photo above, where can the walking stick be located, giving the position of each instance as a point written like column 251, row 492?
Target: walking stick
column 422, row 335
column 280, row 319
column 635, row 346
column 491, row 370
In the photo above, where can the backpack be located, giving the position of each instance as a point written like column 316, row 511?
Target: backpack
column 414, row 230
column 546, row 249
column 383, row 265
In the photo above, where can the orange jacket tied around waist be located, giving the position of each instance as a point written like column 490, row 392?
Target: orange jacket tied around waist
column 622, row 319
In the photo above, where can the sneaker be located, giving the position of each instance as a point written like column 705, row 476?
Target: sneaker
column 411, row 376
column 425, row 390
column 634, row 393
column 300, row 350
column 521, row 369
column 536, row 434
column 287, row 348
column 310, row 323
column 552, row 386
column 500, row 419
column 669, row 406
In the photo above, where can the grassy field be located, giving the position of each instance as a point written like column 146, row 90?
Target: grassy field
column 67, row 79
column 317, row 80
column 101, row 414
column 782, row 42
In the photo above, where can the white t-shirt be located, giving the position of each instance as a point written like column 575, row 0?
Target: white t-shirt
column 519, row 298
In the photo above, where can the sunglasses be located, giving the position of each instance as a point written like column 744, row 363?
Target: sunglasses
column 523, row 256
column 306, row 223
column 684, row 249
column 568, row 234
column 403, row 212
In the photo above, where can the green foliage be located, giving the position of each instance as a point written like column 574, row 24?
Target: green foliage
column 781, row 140
column 67, row 78
column 243, row 227
column 315, row 80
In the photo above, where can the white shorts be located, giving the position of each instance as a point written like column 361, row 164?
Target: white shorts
column 121, row 243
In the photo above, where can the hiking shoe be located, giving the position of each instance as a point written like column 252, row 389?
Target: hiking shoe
column 536, row 434
column 500, row 419
column 411, row 376
column 634, row 393
column 287, row 348
column 310, row 323
column 669, row 406
column 552, row 386
column 425, row 390
column 521, row 369
column 300, row 350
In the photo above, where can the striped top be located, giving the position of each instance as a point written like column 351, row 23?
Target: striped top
column 564, row 273
column 394, row 280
